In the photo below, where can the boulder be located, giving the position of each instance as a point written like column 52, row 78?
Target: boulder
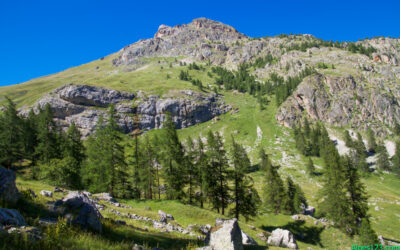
column 88, row 216
column 282, row 238
column 226, row 235
column 105, row 197
column 46, row 193
column 247, row 240
column 8, row 190
column 309, row 211
column 11, row 217
column 164, row 217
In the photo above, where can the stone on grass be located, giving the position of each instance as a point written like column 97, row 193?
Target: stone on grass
column 282, row 238
column 46, row 193
column 226, row 235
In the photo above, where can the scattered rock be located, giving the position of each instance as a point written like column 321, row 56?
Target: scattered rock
column 226, row 235
column 247, row 240
column 88, row 216
column 11, row 217
column 105, row 197
column 8, row 190
column 262, row 236
column 46, row 193
column 282, row 238
column 57, row 190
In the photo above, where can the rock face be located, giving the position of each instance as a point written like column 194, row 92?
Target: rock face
column 88, row 216
column 282, row 238
column 247, row 240
column 201, row 39
column 11, row 217
column 79, row 104
column 341, row 101
column 226, row 235
column 8, row 190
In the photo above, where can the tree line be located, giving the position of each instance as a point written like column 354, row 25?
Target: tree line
column 343, row 197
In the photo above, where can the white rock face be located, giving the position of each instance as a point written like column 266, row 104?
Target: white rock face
column 247, row 240
column 227, row 236
column 282, row 238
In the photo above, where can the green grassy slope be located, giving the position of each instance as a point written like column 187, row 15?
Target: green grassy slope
column 250, row 126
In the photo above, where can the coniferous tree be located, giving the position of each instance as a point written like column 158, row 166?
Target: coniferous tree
column 11, row 135
column 396, row 159
column 190, row 170
column 383, row 162
column 217, row 172
column 356, row 190
column 264, row 159
column 274, row 191
column 335, row 202
column 371, row 141
column 310, row 167
column 173, row 169
column 30, row 137
column 148, row 174
column 201, row 170
column 367, row 234
column 299, row 200
column 291, row 193
column 244, row 195
column 348, row 140
column 73, row 157
column 48, row 144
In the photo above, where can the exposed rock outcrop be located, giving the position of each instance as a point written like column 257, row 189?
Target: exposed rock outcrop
column 8, row 190
column 11, row 217
column 282, row 238
column 201, row 39
column 226, row 235
column 87, row 217
column 341, row 101
column 79, row 104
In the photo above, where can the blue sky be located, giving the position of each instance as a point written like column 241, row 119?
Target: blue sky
column 43, row 37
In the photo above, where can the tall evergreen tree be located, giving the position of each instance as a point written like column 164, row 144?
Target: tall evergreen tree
column 244, row 195
column 310, row 167
column 372, row 146
column 356, row 190
column 202, row 173
column 348, row 140
column 263, row 160
column 74, row 155
column 173, row 161
column 11, row 135
column 383, row 159
column 217, row 172
column 274, row 191
column 48, row 144
column 396, row 159
column 335, row 201
column 190, row 170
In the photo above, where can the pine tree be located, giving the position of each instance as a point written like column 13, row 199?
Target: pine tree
column 30, row 140
column 335, row 202
column 244, row 195
column 11, row 135
column 383, row 162
column 264, row 160
column 48, row 145
column 299, row 200
column 190, row 170
column 371, row 141
column 396, row 159
column 274, row 190
column 147, row 174
column 217, row 172
column 348, row 140
column 367, row 234
column 291, row 193
column 202, row 176
column 73, row 153
column 307, row 128
column 310, row 167
column 173, row 169
column 356, row 190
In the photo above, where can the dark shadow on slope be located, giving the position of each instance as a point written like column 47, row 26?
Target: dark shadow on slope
column 303, row 233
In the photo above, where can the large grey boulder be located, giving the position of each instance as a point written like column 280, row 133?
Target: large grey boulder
column 105, row 197
column 8, row 190
column 282, row 238
column 11, row 217
column 84, row 211
column 226, row 235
